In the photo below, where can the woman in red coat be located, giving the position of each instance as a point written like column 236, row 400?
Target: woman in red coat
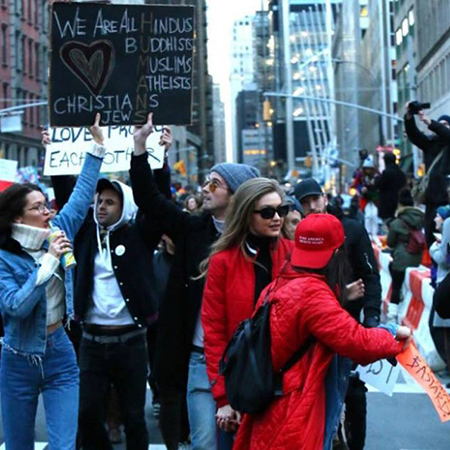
column 304, row 304
column 247, row 257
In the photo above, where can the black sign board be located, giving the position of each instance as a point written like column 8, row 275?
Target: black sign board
column 123, row 61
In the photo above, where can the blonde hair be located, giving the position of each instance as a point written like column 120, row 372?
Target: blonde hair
column 238, row 217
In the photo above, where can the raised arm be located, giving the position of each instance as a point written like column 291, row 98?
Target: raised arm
column 417, row 137
column 147, row 196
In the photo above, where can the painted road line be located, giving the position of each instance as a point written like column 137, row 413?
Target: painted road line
column 37, row 446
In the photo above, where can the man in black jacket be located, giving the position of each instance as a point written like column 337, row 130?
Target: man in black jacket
column 433, row 146
column 364, row 265
column 389, row 184
column 114, row 301
column 179, row 359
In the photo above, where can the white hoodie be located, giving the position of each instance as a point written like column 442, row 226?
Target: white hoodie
column 109, row 305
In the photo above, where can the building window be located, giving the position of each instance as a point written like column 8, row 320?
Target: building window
column 4, row 45
column 31, row 110
column 5, row 94
column 36, row 15
column 37, row 57
column 23, row 55
column 30, row 58
column 44, row 14
column 44, row 64
column 18, row 52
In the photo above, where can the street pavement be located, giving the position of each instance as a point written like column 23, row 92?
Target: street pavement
column 405, row 421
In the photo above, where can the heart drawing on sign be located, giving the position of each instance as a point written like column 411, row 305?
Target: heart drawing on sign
column 92, row 64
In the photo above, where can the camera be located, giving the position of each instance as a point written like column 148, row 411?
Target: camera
column 415, row 107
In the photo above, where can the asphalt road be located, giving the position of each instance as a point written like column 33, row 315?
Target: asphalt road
column 405, row 421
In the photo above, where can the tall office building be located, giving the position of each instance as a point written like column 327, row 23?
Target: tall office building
column 219, row 126
column 242, row 75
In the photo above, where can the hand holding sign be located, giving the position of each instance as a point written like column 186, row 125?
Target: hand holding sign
column 96, row 131
column 140, row 135
column 404, row 334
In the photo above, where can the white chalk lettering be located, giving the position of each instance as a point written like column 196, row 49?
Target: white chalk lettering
column 77, row 27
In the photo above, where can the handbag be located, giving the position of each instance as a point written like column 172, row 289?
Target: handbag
column 420, row 187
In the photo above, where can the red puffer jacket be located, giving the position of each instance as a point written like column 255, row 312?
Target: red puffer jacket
column 304, row 305
column 228, row 299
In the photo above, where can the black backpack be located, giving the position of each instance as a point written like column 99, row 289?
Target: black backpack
column 246, row 364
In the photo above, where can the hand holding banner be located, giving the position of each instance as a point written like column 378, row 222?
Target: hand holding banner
column 416, row 366
column 66, row 154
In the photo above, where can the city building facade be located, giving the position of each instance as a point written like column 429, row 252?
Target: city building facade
column 24, row 28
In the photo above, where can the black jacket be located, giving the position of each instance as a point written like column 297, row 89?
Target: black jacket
column 432, row 145
column 193, row 236
column 364, row 265
column 389, row 184
column 133, row 269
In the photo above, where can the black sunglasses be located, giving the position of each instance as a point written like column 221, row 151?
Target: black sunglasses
column 269, row 211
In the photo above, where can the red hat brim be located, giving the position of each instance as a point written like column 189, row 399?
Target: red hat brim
column 311, row 259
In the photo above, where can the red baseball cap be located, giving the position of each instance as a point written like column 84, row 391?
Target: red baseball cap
column 316, row 238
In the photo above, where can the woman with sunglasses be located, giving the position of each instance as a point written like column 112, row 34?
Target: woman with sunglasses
column 36, row 292
column 247, row 257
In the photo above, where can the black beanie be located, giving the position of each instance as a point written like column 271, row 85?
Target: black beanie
column 405, row 197
column 444, row 117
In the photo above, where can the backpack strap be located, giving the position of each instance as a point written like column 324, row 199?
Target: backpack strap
column 297, row 356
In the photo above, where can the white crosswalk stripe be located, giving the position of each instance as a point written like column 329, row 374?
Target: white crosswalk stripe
column 43, row 446
column 37, row 446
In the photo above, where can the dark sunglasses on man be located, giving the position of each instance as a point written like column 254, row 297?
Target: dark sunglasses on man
column 269, row 212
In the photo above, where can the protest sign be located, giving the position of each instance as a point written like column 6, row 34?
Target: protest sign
column 66, row 154
column 8, row 171
column 381, row 375
column 123, row 61
column 413, row 362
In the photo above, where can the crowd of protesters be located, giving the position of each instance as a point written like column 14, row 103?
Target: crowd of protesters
column 163, row 279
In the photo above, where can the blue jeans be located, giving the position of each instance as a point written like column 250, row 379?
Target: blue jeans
column 202, row 409
column 21, row 382
column 201, row 405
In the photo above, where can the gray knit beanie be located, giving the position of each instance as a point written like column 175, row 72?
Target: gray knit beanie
column 235, row 174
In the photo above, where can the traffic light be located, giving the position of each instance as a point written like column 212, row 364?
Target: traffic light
column 180, row 167
column 267, row 111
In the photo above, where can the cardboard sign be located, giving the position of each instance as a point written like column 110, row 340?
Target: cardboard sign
column 66, row 154
column 123, row 61
column 415, row 365
column 8, row 171
column 381, row 375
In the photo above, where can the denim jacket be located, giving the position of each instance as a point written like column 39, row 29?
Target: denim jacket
column 23, row 304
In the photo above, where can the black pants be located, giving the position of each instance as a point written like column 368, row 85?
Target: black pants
column 125, row 365
column 173, row 419
column 397, row 282
column 356, row 414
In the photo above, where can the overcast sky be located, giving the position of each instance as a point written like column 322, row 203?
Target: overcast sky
column 221, row 16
